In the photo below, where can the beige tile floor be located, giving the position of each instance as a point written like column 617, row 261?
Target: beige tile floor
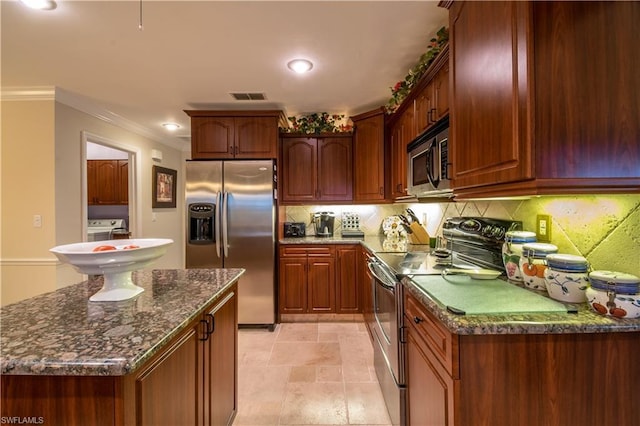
column 308, row 374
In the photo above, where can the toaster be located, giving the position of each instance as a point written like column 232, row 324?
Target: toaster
column 294, row 229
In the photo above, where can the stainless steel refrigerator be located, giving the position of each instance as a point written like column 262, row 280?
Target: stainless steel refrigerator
column 231, row 224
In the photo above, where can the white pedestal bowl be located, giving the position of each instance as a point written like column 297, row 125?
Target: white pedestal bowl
column 116, row 264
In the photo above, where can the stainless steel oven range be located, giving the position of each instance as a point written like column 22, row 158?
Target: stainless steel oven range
column 388, row 350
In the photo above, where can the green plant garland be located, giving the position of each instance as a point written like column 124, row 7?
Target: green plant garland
column 402, row 88
column 318, row 122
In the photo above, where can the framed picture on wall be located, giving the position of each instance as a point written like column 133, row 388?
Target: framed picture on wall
column 164, row 188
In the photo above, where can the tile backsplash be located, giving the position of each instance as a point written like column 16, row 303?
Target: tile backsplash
column 604, row 228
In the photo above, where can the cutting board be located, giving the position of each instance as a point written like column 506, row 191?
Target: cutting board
column 463, row 295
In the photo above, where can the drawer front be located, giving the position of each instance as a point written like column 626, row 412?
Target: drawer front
column 442, row 343
column 307, row 250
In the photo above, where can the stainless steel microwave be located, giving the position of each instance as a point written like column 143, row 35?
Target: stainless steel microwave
column 428, row 163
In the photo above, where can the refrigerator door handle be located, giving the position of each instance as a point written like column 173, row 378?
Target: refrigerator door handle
column 225, row 212
column 217, row 219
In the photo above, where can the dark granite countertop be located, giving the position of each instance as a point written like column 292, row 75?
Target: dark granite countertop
column 63, row 333
column 584, row 320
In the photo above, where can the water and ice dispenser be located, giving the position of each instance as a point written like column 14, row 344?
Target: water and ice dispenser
column 202, row 223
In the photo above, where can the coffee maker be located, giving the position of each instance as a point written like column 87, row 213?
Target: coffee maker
column 323, row 223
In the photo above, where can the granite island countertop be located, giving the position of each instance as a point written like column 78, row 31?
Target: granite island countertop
column 582, row 320
column 63, row 333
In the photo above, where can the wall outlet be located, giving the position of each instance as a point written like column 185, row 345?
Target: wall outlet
column 37, row 221
column 543, row 228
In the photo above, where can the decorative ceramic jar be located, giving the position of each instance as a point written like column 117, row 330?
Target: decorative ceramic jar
column 533, row 264
column 512, row 252
column 614, row 293
column 567, row 277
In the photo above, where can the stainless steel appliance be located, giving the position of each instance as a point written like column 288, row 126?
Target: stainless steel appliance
column 103, row 229
column 428, row 163
column 231, row 223
column 388, row 342
column 470, row 242
column 323, row 223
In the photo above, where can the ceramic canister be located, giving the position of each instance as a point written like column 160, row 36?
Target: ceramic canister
column 512, row 251
column 616, row 294
column 567, row 277
column 533, row 263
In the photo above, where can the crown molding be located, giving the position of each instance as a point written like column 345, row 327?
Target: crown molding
column 37, row 93
column 50, row 93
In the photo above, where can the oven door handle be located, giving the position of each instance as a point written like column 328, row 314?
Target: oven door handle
column 383, row 281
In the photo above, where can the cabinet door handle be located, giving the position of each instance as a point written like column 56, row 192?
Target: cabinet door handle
column 213, row 325
column 432, row 114
column 205, row 330
column 231, row 149
column 417, row 320
column 381, row 190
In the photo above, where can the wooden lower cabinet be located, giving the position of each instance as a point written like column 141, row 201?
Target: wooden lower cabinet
column 430, row 389
column 307, row 279
column 348, row 291
column 191, row 381
column 315, row 279
column 518, row 379
column 321, row 288
column 431, row 368
column 168, row 387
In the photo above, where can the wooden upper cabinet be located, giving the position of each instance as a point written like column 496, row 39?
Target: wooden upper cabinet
column 441, row 92
column 256, row 137
column 107, row 182
column 212, row 137
column 489, row 118
column 235, row 134
column 431, row 99
column 424, row 106
column 298, row 171
column 533, row 111
column 368, row 156
column 123, row 181
column 335, row 168
column 402, row 132
column 316, row 168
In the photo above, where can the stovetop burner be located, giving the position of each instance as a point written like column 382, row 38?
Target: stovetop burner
column 473, row 241
column 421, row 263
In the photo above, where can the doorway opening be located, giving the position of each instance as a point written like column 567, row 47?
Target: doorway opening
column 109, row 181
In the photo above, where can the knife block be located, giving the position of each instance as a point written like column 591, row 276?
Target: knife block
column 418, row 235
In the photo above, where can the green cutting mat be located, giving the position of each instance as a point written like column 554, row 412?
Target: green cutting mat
column 485, row 296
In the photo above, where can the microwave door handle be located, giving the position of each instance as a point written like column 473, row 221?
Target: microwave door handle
column 431, row 159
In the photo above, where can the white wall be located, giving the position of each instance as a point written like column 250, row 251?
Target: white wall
column 42, row 174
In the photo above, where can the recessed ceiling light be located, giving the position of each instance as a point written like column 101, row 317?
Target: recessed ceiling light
column 300, row 65
column 40, row 4
column 171, row 126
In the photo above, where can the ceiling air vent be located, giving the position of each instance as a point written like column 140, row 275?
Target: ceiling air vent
column 249, row 96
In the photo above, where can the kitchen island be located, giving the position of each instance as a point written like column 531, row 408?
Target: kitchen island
column 168, row 356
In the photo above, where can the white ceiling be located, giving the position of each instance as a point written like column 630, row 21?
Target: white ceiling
column 192, row 54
